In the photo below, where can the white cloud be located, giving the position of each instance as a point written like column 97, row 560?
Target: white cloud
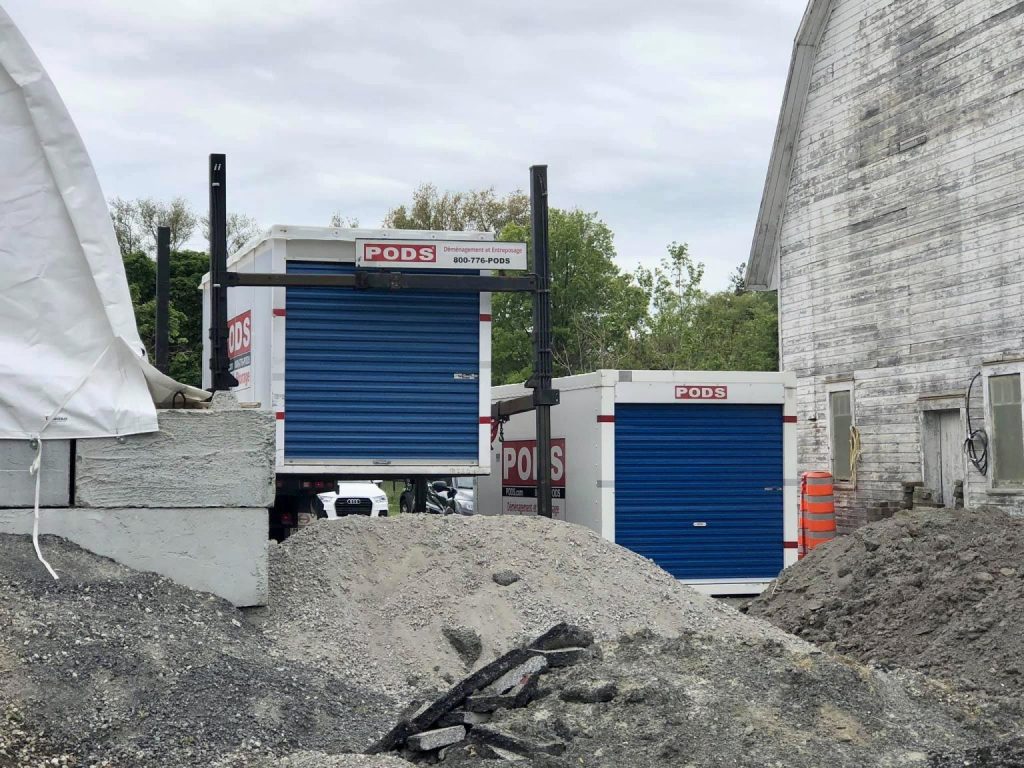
column 659, row 115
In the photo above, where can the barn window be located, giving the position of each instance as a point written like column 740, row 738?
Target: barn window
column 840, row 408
column 1007, row 430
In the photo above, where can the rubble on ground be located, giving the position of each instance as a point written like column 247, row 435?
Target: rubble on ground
column 939, row 590
column 695, row 700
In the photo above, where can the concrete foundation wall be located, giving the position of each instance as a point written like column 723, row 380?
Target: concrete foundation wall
column 18, row 487
column 223, row 551
column 199, row 458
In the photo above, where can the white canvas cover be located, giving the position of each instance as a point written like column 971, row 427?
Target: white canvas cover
column 72, row 364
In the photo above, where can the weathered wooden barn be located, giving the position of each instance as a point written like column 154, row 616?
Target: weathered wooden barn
column 892, row 227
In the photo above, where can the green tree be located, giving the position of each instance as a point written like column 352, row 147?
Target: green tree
column 690, row 329
column 185, row 315
column 135, row 223
column 602, row 317
column 343, row 222
column 674, row 294
column 596, row 309
column 481, row 210
column 240, row 228
column 738, row 332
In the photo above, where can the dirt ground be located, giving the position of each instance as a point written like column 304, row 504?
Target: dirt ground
column 939, row 591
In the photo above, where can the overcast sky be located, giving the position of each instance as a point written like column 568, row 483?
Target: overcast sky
column 657, row 114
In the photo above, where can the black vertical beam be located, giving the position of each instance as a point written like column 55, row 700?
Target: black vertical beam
column 419, row 494
column 542, row 369
column 163, row 291
column 220, row 377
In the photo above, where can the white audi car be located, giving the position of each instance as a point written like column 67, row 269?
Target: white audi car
column 354, row 497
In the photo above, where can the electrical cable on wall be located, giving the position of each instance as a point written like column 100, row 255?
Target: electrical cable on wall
column 976, row 444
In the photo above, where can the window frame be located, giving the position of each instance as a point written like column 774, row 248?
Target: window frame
column 988, row 371
column 844, row 385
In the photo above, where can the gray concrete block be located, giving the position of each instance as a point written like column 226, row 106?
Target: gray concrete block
column 440, row 737
column 18, row 487
column 199, row 458
column 519, row 675
column 223, row 551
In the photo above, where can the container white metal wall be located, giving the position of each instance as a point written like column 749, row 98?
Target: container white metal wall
column 259, row 335
column 651, row 457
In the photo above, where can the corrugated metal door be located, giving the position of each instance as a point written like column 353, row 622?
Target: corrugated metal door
column 698, row 488
column 380, row 375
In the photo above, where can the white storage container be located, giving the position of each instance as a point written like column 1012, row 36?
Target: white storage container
column 694, row 469
column 364, row 383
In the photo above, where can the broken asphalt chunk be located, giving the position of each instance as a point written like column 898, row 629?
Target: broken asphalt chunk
column 517, row 697
column 520, row 745
column 440, row 737
column 484, row 676
column 590, row 693
column 561, row 636
column 565, row 657
column 462, row 717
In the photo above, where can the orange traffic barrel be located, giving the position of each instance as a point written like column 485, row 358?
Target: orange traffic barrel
column 817, row 511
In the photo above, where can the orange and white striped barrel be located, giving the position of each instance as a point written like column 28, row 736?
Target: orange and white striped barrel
column 817, row 511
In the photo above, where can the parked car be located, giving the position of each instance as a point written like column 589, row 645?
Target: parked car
column 445, row 496
column 355, row 497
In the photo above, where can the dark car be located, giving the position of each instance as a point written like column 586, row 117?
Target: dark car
column 445, row 496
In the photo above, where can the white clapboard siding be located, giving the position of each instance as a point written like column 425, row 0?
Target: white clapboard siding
column 901, row 247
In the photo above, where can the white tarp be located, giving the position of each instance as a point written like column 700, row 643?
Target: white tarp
column 72, row 364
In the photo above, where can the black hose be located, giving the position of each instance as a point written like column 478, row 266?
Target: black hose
column 976, row 444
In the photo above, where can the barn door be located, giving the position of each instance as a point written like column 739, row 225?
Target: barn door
column 943, row 453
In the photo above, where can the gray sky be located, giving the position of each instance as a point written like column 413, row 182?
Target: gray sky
column 657, row 114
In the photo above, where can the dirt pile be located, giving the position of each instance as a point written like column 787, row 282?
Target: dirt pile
column 109, row 666
column 940, row 591
column 408, row 603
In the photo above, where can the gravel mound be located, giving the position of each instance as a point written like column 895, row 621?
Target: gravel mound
column 706, row 701
column 379, row 600
column 246, row 759
column 940, row 591
column 109, row 666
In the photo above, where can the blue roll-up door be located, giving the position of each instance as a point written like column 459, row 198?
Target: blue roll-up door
column 380, row 375
column 698, row 488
